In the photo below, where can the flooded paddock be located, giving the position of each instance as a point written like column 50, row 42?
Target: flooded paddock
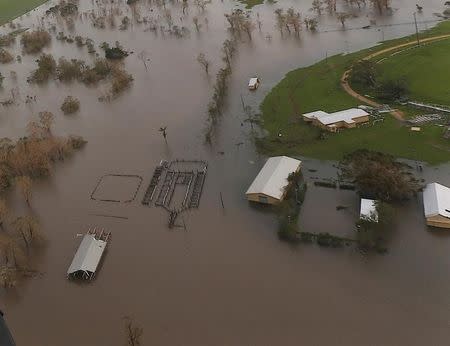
column 226, row 279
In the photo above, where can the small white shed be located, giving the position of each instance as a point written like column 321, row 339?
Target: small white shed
column 368, row 210
column 253, row 83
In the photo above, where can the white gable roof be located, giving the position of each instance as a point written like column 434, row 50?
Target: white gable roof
column 316, row 115
column 253, row 81
column 88, row 255
column 272, row 179
column 331, row 118
column 436, row 200
column 368, row 210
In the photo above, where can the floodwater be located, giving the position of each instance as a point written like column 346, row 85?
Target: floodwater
column 226, row 279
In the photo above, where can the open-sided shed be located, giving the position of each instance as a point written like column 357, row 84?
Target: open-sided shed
column 88, row 256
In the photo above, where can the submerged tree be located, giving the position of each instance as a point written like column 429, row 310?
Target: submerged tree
column 24, row 184
column 4, row 213
column 317, row 7
column 379, row 175
column 202, row 60
column 28, row 230
column 133, row 333
column 342, row 17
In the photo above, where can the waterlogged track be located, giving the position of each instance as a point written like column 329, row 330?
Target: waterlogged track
column 399, row 115
column 226, row 279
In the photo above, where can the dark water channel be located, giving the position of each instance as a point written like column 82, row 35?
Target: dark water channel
column 226, row 280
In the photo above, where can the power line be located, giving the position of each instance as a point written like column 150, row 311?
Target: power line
column 382, row 25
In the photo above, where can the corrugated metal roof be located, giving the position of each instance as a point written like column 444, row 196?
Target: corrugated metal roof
column 253, row 81
column 368, row 210
column 316, row 115
column 436, row 200
column 331, row 118
column 6, row 338
column 88, row 255
column 272, row 179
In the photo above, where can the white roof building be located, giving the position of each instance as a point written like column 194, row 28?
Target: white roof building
column 253, row 83
column 346, row 116
column 272, row 179
column 88, row 256
column 436, row 201
column 368, row 210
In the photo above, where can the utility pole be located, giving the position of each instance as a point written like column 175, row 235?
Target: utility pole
column 417, row 29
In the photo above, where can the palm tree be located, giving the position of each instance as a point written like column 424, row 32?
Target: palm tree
column 24, row 183
column 27, row 229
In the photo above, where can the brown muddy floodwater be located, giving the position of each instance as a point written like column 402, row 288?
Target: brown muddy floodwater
column 227, row 279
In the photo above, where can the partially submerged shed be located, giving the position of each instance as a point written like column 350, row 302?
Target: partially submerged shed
column 368, row 210
column 253, row 83
column 269, row 186
column 436, row 203
column 88, row 256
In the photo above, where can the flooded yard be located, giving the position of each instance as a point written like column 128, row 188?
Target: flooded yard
column 226, row 279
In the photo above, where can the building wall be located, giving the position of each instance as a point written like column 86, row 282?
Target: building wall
column 341, row 124
column 438, row 221
column 255, row 197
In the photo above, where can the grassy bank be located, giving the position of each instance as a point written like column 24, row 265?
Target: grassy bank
column 11, row 9
column 426, row 70
column 318, row 87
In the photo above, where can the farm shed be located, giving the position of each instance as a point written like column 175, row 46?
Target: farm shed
column 88, row 256
column 269, row 185
column 368, row 210
column 253, row 83
column 348, row 118
column 436, row 203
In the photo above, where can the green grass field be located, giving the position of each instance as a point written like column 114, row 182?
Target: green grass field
column 11, row 9
column 318, row 87
column 426, row 70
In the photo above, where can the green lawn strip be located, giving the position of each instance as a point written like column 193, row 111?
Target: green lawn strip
column 11, row 9
column 426, row 70
column 318, row 87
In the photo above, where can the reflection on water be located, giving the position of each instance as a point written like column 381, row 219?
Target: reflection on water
column 226, row 279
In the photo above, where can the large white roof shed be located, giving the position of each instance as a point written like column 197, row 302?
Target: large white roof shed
column 436, row 200
column 88, row 255
column 346, row 116
column 272, row 179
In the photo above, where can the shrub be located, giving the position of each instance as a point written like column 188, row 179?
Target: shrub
column 115, row 53
column 378, row 175
column 121, row 81
column 364, row 73
column 33, row 42
column 69, row 70
column 5, row 56
column 79, row 41
column 67, row 9
column 70, row 105
column 392, row 90
column 6, row 40
column 99, row 71
column 46, row 68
